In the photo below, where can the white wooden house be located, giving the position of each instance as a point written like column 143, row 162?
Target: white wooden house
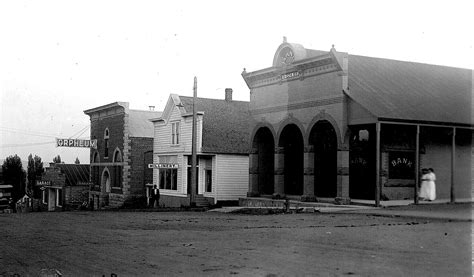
column 222, row 150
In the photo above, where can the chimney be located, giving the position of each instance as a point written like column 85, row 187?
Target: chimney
column 152, row 108
column 228, row 94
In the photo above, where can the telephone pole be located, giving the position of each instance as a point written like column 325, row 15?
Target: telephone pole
column 193, row 149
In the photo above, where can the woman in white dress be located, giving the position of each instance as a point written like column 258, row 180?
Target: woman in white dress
column 431, row 185
column 424, row 188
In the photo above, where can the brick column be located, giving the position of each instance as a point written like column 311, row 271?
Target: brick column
column 343, row 177
column 308, row 189
column 279, row 183
column 253, row 173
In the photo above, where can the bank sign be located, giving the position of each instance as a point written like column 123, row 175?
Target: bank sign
column 76, row 143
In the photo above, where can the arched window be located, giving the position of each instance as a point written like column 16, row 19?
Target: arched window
column 95, row 168
column 106, row 143
column 117, row 159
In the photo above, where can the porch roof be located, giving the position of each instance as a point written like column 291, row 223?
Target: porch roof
column 409, row 91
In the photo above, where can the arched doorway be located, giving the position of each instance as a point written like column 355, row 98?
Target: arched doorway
column 105, row 185
column 324, row 140
column 291, row 140
column 263, row 142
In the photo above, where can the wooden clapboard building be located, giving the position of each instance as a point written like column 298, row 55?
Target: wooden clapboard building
column 222, row 150
column 119, row 168
column 328, row 124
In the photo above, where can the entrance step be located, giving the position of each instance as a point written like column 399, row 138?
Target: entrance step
column 201, row 201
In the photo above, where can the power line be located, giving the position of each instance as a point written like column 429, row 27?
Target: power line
column 26, row 144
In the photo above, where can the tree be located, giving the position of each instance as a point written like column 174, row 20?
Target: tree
column 77, row 161
column 14, row 174
column 35, row 169
column 57, row 159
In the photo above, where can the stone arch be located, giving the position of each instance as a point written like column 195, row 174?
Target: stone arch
column 324, row 142
column 262, row 160
column 259, row 126
column 117, row 157
column 325, row 116
column 291, row 147
column 105, row 181
column 290, row 120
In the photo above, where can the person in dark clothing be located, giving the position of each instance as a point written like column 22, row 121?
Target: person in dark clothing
column 155, row 197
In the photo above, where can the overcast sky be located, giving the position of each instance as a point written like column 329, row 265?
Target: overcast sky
column 59, row 58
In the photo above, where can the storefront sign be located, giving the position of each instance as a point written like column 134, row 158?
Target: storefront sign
column 290, row 75
column 401, row 165
column 76, row 143
column 163, row 165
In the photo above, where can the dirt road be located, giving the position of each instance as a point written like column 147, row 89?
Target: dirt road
column 216, row 244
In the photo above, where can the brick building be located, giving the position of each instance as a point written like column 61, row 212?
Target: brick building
column 64, row 186
column 119, row 169
column 327, row 124
column 222, row 150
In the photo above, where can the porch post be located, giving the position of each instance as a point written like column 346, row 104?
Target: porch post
column 308, row 189
column 343, row 176
column 417, row 163
column 377, row 164
column 279, row 183
column 453, row 163
column 253, row 173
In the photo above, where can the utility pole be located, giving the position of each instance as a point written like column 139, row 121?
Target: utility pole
column 193, row 149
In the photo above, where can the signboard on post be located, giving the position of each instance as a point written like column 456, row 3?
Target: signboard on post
column 86, row 143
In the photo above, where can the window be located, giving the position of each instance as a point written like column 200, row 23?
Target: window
column 175, row 133
column 208, row 181
column 117, row 168
column 106, row 143
column 59, row 198
column 168, row 178
column 401, row 165
column 168, row 175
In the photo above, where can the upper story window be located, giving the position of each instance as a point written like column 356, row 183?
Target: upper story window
column 175, row 133
column 106, row 143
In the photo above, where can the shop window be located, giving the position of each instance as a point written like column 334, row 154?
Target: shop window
column 168, row 178
column 59, row 198
column 168, row 172
column 401, row 165
column 175, row 133
column 208, row 181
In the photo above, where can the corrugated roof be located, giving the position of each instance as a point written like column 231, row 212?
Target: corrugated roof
column 140, row 124
column 74, row 173
column 225, row 124
column 411, row 91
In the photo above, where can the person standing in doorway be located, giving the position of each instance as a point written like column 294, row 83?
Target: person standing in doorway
column 155, row 197
column 424, row 188
column 431, row 184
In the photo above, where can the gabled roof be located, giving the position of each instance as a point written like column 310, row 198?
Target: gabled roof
column 74, row 173
column 140, row 124
column 399, row 90
column 225, row 124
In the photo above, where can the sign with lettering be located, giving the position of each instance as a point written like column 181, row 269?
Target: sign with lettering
column 76, row 143
column 401, row 165
column 290, row 75
column 163, row 165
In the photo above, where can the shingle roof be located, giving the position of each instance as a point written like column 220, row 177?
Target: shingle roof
column 140, row 124
column 225, row 124
column 411, row 91
column 74, row 173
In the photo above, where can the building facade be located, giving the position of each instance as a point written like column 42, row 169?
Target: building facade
column 64, row 187
column 119, row 168
column 326, row 124
column 222, row 150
